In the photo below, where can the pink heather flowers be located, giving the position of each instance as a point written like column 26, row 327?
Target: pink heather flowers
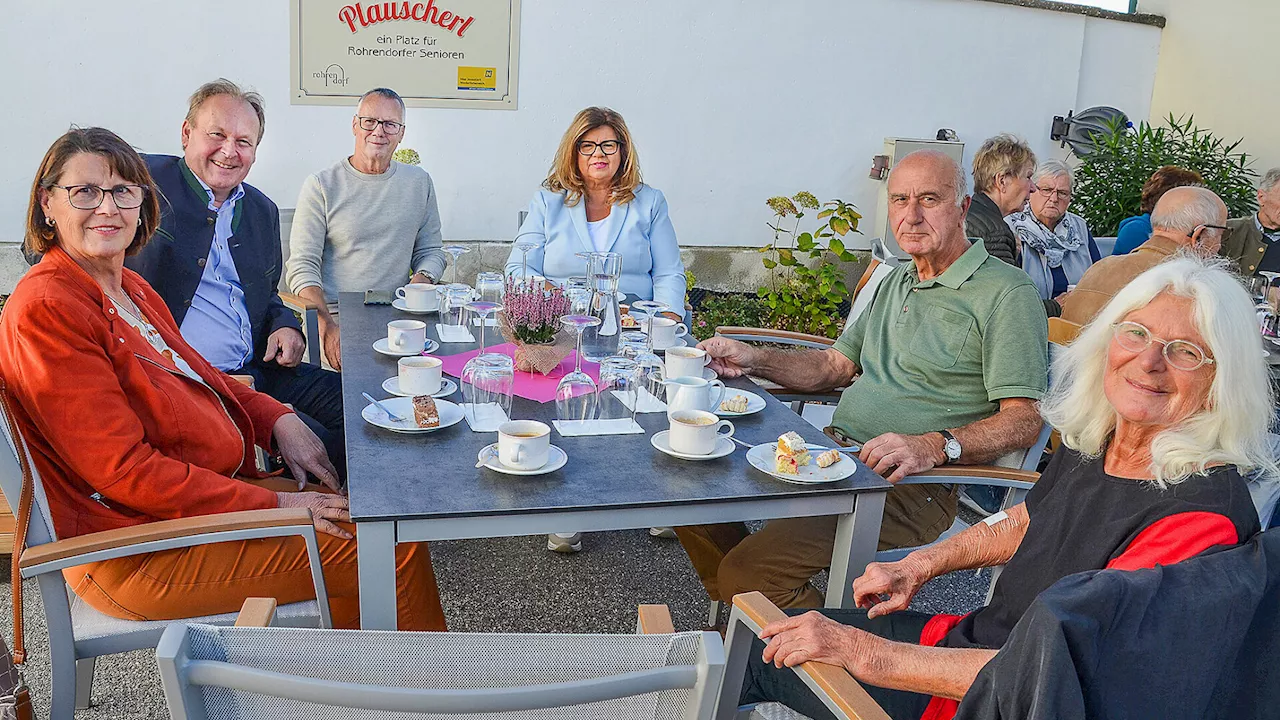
column 532, row 312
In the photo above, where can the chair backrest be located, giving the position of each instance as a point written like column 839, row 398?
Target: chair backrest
column 40, row 530
column 1062, row 332
column 221, row 672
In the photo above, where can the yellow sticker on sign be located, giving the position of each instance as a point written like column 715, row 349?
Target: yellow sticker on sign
column 477, row 78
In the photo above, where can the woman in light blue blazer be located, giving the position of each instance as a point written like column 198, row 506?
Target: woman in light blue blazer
column 593, row 200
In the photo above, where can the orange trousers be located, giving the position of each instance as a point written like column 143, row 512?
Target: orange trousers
column 213, row 579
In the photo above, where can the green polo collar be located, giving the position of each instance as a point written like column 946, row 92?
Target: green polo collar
column 962, row 269
column 198, row 188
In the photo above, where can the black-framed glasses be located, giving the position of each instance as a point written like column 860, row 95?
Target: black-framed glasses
column 608, row 147
column 390, row 127
column 89, row 197
column 1180, row 354
column 1063, row 195
column 1208, row 227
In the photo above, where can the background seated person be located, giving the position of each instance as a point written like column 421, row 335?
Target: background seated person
column 1002, row 170
column 1162, row 403
column 1057, row 247
column 127, row 424
column 952, row 358
column 1252, row 242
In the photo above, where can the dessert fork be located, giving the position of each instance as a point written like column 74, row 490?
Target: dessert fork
column 394, row 417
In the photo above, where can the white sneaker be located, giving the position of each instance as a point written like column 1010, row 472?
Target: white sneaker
column 564, row 542
column 663, row 532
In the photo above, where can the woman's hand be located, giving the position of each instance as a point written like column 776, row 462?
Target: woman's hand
column 899, row 581
column 324, row 507
column 814, row 636
column 303, row 452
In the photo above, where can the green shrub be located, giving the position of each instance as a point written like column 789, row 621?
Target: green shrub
column 727, row 310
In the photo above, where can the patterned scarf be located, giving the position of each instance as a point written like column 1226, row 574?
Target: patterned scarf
column 1052, row 244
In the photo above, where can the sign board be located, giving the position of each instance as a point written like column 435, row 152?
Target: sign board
column 437, row 53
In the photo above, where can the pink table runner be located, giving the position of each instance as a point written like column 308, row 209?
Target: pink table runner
column 533, row 386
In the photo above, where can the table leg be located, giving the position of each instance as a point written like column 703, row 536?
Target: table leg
column 857, row 537
column 376, row 554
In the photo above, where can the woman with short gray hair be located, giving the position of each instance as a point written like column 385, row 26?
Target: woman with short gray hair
column 1057, row 247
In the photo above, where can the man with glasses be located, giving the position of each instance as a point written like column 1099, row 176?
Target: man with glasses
column 1186, row 218
column 1252, row 242
column 215, row 261
column 366, row 222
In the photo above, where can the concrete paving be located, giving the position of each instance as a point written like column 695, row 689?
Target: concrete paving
column 502, row 585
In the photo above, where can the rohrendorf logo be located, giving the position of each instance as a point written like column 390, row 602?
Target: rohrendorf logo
column 333, row 75
column 387, row 11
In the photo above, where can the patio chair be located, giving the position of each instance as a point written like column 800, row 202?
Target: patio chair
column 310, row 324
column 78, row 634
column 253, row 673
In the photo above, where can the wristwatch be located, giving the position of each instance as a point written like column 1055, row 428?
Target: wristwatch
column 950, row 446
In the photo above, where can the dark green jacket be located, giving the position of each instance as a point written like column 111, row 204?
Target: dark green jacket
column 1243, row 245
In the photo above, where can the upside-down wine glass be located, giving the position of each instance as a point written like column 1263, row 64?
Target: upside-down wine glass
column 576, row 392
column 651, row 309
column 483, row 310
column 456, row 251
column 526, row 244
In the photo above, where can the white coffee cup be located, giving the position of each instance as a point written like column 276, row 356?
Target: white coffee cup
column 693, row 393
column 407, row 336
column 696, row 432
column 664, row 331
column 686, row 362
column 419, row 296
column 524, row 444
column 420, row 374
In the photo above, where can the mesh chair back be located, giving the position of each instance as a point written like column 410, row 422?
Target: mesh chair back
column 220, row 672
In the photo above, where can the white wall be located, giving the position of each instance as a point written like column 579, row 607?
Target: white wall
column 730, row 101
column 1217, row 62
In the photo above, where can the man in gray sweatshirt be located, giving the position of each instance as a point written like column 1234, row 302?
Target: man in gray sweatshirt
column 366, row 222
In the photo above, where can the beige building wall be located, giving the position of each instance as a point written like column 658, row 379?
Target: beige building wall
column 1218, row 62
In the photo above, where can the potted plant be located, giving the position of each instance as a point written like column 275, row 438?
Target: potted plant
column 530, row 320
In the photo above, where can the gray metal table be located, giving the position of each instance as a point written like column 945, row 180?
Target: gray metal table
column 411, row 488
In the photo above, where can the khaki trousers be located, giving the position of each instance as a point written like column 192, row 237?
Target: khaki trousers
column 780, row 559
column 214, row 579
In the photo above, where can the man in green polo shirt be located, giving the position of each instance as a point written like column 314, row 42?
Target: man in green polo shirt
column 949, row 361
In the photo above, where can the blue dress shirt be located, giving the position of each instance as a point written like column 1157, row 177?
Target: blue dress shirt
column 217, row 324
column 640, row 230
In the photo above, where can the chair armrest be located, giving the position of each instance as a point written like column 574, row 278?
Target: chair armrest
column 992, row 475
column 257, row 612
column 785, row 337
column 841, row 690
column 183, row 532
column 246, row 380
column 297, row 302
column 654, row 620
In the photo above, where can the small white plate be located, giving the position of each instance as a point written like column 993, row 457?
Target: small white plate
column 755, row 403
column 400, row 305
column 680, row 342
column 709, row 374
column 761, row 458
column 556, row 459
column 381, row 346
column 450, row 414
column 447, row 387
column 724, row 446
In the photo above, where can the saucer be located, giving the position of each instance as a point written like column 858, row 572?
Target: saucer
column 755, row 403
column 447, row 387
column 450, row 414
column 709, row 374
column 761, row 458
column 556, row 459
column 381, row 346
column 400, row 304
column 724, row 446
column 680, row 342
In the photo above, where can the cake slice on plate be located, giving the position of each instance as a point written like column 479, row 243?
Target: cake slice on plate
column 792, row 454
column 425, row 413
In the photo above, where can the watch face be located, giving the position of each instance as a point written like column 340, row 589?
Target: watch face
column 952, row 449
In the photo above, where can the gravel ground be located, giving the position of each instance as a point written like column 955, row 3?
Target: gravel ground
column 504, row 585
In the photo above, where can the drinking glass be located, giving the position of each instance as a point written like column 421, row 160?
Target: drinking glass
column 619, row 395
column 576, row 393
column 1258, row 288
column 482, row 310
column 491, row 286
column 456, row 251
column 454, row 308
column 578, row 290
column 650, row 369
column 1271, row 286
column 487, row 384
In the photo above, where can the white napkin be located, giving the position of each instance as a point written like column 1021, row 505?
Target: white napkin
column 621, row 426
column 485, row 417
column 648, row 403
column 454, row 333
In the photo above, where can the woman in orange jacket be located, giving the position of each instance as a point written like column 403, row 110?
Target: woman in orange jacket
column 127, row 424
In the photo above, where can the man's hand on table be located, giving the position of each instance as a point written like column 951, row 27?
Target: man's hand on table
column 815, row 637
column 729, row 358
column 906, row 454
column 325, row 509
column 285, row 346
column 329, row 334
column 303, row 452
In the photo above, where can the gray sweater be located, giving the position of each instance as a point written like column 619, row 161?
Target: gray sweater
column 354, row 232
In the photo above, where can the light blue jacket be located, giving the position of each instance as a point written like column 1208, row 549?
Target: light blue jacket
column 640, row 230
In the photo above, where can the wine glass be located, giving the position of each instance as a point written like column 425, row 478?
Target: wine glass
column 651, row 309
column 526, row 244
column 483, row 310
column 576, row 393
column 456, row 251
column 619, row 396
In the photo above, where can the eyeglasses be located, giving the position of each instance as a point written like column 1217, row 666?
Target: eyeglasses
column 1063, row 195
column 1180, row 354
column 1206, row 226
column 390, row 127
column 89, row 197
column 608, row 147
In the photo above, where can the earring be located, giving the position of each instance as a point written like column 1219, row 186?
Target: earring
column 139, row 222
column 48, row 221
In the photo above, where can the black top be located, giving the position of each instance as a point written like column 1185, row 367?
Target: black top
column 985, row 221
column 1084, row 519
